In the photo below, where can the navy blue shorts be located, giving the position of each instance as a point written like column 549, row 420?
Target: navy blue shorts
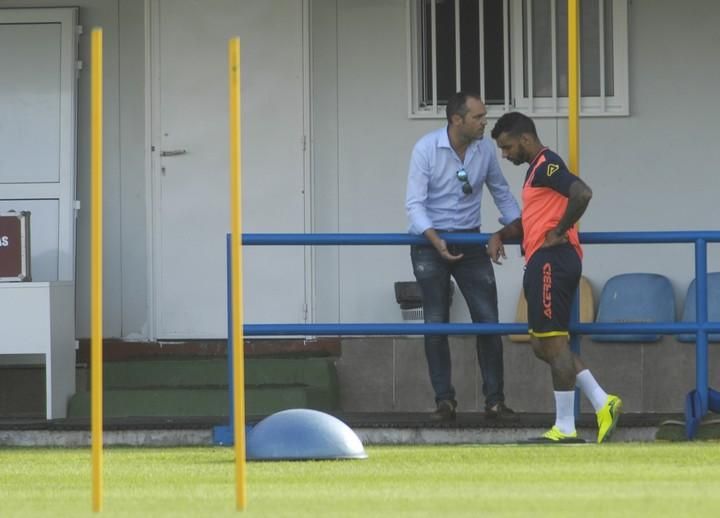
column 551, row 279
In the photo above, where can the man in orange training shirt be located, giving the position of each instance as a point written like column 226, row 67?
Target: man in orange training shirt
column 553, row 200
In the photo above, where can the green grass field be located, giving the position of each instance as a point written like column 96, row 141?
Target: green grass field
column 440, row 481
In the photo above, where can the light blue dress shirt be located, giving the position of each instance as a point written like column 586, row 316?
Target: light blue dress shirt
column 435, row 198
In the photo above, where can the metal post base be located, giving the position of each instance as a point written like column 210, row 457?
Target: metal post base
column 694, row 410
column 714, row 401
column 225, row 435
column 693, row 414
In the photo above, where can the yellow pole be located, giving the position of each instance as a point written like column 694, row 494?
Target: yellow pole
column 96, row 288
column 237, row 268
column 573, row 87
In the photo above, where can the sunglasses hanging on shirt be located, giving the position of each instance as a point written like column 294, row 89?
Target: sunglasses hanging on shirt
column 463, row 177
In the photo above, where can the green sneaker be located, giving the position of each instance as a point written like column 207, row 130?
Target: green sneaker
column 555, row 436
column 607, row 417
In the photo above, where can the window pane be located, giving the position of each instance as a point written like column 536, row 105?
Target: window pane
column 494, row 49
column 596, row 50
column 609, row 51
column 541, row 48
column 445, row 31
column 470, row 33
column 494, row 52
column 426, row 54
column 561, row 42
column 469, row 46
column 589, row 48
column 426, row 92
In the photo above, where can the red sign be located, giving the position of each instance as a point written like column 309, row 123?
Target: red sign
column 14, row 246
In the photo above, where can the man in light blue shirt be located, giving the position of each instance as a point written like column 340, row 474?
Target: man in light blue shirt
column 448, row 170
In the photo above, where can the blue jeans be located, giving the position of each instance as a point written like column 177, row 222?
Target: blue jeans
column 476, row 279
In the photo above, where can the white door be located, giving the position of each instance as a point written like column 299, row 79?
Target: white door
column 38, row 59
column 191, row 164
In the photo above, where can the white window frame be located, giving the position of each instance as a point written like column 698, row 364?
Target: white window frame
column 515, row 98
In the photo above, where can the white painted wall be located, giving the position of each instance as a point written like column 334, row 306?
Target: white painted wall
column 654, row 170
column 324, row 156
column 371, row 151
column 649, row 171
column 134, row 225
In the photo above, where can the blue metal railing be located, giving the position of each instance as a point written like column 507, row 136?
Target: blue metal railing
column 698, row 402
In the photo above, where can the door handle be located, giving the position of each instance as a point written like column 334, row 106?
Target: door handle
column 173, row 152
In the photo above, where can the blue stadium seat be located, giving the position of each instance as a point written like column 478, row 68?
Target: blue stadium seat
column 713, row 280
column 635, row 297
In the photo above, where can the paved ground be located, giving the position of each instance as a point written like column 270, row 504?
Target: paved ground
column 372, row 428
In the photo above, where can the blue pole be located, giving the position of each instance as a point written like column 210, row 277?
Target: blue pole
column 700, row 400
column 225, row 434
column 701, row 344
column 586, row 238
column 231, row 373
column 369, row 329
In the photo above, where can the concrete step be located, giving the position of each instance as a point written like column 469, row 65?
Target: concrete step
column 180, row 402
column 181, row 387
column 213, row 373
column 311, row 372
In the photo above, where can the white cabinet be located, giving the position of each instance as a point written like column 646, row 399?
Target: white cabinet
column 38, row 85
column 38, row 318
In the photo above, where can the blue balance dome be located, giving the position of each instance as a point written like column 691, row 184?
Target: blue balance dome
column 302, row 434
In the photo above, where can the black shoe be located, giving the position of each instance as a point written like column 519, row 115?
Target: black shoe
column 498, row 410
column 445, row 411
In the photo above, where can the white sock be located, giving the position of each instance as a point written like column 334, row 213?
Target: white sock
column 565, row 411
column 594, row 392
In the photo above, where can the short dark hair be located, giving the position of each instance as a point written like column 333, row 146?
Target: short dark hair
column 457, row 104
column 514, row 124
